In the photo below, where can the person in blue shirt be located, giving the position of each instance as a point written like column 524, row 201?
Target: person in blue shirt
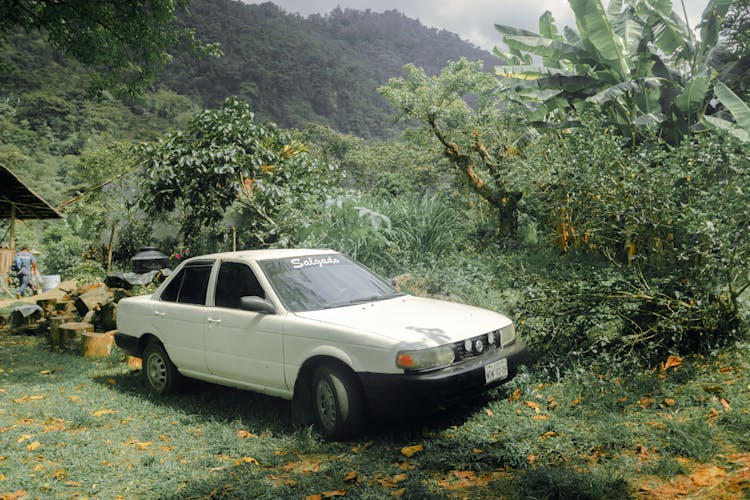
column 25, row 265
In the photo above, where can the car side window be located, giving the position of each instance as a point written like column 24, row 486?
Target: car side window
column 190, row 285
column 236, row 280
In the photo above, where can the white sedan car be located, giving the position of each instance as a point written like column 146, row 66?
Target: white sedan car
column 317, row 328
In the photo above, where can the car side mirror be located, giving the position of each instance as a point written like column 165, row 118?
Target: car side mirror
column 256, row 304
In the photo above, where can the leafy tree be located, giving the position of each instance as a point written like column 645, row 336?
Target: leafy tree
column 735, row 32
column 637, row 61
column 460, row 108
column 124, row 42
column 226, row 158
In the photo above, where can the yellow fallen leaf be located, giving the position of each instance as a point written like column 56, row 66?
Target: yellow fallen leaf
column 33, row 446
column 409, row 451
column 243, row 434
column 23, row 437
column 531, row 459
column 314, row 497
column 708, row 476
column 398, row 493
column 400, row 477
column 2, row 476
column 725, row 404
column 672, row 362
column 533, row 405
column 350, row 476
column 246, row 460
column 334, row 493
column 24, row 399
column 99, row 413
column 669, row 402
column 45, row 372
column 489, row 412
column 516, row 395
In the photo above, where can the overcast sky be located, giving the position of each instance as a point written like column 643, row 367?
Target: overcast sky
column 472, row 20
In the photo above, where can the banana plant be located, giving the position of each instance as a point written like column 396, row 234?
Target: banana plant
column 738, row 109
column 636, row 61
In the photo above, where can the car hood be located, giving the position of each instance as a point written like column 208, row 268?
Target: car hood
column 413, row 320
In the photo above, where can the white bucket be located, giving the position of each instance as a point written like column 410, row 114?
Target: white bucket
column 50, row 281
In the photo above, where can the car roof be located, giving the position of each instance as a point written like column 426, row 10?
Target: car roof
column 268, row 253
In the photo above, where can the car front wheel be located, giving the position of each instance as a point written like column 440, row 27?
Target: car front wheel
column 337, row 402
column 159, row 373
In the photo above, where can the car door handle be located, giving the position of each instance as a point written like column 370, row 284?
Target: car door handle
column 214, row 320
column 159, row 313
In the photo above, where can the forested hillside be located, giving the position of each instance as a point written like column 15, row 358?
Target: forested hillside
column 322, row 69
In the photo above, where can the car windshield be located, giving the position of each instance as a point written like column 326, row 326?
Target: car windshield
column 312, row 282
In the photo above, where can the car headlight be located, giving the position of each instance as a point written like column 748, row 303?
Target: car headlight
column 423, row 359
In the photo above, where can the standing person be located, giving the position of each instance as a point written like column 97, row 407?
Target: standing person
column 26, row 264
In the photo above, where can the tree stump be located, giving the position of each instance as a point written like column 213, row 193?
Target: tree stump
column 54, row 327
column 47, row 305
column 66, row 307
column 93, row 299
column 97, row 345
column 70, row 333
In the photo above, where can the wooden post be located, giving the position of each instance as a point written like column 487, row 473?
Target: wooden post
column 12, row 227
column 109, row 248
column 234, row 238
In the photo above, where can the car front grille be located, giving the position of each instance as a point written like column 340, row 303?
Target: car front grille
column 482, row 344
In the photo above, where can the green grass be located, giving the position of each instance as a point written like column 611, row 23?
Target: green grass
column 71, row 426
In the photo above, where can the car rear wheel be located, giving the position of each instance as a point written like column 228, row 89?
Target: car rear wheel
column 159, row 373
column 337, row 402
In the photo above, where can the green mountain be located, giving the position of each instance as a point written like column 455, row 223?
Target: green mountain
column 322, row 68
column 293, row 70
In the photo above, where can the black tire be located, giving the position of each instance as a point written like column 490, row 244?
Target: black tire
column 159, row 373
column 337, row 402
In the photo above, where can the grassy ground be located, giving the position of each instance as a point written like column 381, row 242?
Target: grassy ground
column 74, row 427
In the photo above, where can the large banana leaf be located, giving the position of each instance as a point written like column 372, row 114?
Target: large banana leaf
column 740, row 111
column 614, row 9
column 710, row 25
column 513, row 31
column 529, row 72
column 726, row 126
column 546, row 47
column 597, row 32
column 670, row 33
column 548, row 29
column 616, row 91
column 629, row 27
column 571, row 36
column 693, row 95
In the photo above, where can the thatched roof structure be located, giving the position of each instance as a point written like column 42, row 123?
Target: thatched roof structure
column 18, row 201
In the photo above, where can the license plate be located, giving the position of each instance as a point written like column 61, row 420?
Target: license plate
column 497, row 370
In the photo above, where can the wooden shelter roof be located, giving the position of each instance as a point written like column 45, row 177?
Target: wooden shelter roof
column 28, row 204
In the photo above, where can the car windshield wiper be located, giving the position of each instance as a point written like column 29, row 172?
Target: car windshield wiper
column 362, row 300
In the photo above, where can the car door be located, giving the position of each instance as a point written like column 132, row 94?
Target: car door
column 243, row 346
column 180, row 316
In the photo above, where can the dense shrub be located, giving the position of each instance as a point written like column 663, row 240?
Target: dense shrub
column 659, row 234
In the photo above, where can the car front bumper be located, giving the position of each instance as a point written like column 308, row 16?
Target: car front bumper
column 427, row 392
